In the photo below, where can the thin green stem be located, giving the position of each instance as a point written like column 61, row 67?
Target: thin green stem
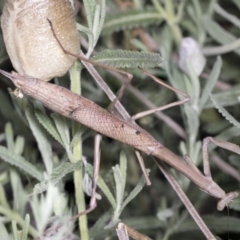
column 159, row 8
column 172, row 21
column 77, row 153
column 15, row 216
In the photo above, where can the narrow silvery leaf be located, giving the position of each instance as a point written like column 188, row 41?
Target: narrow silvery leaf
column 89, row 33
column 25, row 227
column 131, row 19
column 101, row 20
column 9, row 136
column 226, row 98
column 128, row 59
column 225, row 113
column 19, row 145
column 14, row 230
column 3, row 232
column 58, row 173
column 19, row 195
column 47, row 124
column 20, row 162
column 218, row 33
column 213, row 77
column 89, row 6
column 42, row 141
column 102, row 185
column 43, row 207
column 123, row 169
column 96, row 230
column 63, row 128
column 119, row 186
column 134, row 192
column 190, row 51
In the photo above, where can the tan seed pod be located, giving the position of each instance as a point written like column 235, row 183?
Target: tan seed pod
column 29, row 39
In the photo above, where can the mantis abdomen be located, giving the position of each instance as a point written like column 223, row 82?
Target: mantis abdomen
column 88, row 113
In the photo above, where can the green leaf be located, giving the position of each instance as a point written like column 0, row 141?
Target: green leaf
column 218, row 33
column 43, row 144
column 3, row 232
column 102, row 185
column 47, row 124
column 14, row 230
column 19, row 145
column 131, row 19
column 217, row 224
column 63, row 128
column 89, row 7
column 119, row 186
column 134, row 192
column 214, row 75
column 128, row 59
column 19, row 195
column 123, row 169
column 26, row 227
column 16, row 160
column 97, row 229
column 89, row 33
column 226, row 98
column 230, row 17
column 237, row 3
column 9, row 136
column 225, row 113
column 58, row 173
column 101, row 21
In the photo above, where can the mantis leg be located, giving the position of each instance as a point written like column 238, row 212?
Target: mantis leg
column 113, row 98
column 228, row 198
column 124, row 231
column 179, row 102
column 206, row 166
column 96, row 165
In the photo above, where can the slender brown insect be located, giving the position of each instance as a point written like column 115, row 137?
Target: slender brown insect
column 38, row 49
column 88, row 113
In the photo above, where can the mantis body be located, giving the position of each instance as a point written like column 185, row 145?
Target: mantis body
column 88, row 113
column 22, row 22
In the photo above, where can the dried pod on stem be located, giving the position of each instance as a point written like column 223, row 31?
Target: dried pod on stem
column 29, row 40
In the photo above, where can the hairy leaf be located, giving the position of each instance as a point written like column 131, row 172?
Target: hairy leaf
column 47, row 124
column 131, row 19
column 58, row 173
column 225, row 113
column 44, row 145
column 218, row 33
column 128, row 59
column 20, row 162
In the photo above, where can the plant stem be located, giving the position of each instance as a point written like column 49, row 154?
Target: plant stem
column 75, row 75
column 15, row 216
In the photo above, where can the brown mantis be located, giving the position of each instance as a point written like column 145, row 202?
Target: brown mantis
column 90, row 114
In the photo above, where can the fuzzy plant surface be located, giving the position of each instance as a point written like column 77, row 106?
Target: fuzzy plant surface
column 46, row 160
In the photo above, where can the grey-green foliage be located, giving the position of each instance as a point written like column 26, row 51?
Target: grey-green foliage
column 23, row 173
column 20, row 162
column 120, row 201
column 128, row 59
column 131, row 19
column 56, row 176
column 225, row 113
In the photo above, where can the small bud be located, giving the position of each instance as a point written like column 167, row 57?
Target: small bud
column 190, row 52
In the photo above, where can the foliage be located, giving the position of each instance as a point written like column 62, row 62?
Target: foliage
column 43, row 155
